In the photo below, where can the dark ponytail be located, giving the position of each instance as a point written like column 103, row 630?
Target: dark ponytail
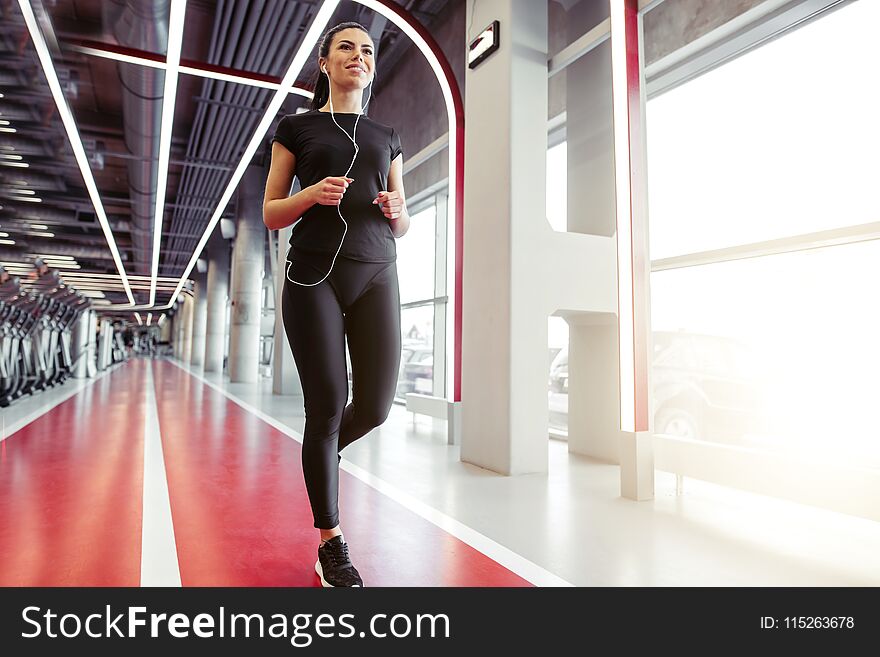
column 321, row 83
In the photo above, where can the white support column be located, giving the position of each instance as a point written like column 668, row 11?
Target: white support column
column 285, row 378
column 105, row 344
column 179, row 323
column 593, row 363
column 633, row 258
column 504, row 338
column 593, row 386
column 517, row 270
column 247, row 279
column 166, row 330
column 80, row 345
column 218, row 288
column 93, row 344
column 188, row 304
column 200, row 321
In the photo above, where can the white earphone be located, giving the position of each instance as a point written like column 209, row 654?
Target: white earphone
column 352, row 138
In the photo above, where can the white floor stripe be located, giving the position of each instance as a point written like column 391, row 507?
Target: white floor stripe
column 514, row 562
column 159, row 564
column 67, row 390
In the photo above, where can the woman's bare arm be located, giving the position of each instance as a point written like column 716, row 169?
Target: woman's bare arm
column 279, row 209
column 400, row 225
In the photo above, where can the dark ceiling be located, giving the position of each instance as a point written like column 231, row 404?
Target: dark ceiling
column 117, row 109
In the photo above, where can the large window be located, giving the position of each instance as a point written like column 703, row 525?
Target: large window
column 781, row 141
column 416, row 272
column 777, row 352
column 415, row 257
column 771, row 346
column 777, row 349
column 417, row 353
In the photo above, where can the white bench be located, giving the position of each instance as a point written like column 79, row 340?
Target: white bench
column 426, row 405
column 438, row 407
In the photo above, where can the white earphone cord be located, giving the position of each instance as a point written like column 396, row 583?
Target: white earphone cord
column 353, row 138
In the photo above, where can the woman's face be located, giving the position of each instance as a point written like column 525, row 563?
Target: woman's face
column 350, row 61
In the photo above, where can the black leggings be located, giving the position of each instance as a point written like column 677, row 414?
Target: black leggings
column 360, row 301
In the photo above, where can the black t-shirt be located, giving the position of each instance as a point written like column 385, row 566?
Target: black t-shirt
column 322, row 150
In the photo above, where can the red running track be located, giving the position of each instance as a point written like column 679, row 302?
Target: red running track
column 242, row 516
column 71, row 489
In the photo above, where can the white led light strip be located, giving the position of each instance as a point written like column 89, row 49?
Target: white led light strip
column 133, row 277
column 73, row 136
column 172, row 63
column 189, row 70
column 316, row 29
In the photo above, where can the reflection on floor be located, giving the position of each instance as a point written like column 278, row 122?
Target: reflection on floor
column 72, row 501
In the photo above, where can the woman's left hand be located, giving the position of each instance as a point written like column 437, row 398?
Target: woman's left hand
column 390, row 202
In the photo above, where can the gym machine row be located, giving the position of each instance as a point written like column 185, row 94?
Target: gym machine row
column 48, row 333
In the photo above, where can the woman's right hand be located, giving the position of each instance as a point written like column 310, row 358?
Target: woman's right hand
column 330, row 190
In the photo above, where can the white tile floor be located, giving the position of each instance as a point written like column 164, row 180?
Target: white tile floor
column 573, row 521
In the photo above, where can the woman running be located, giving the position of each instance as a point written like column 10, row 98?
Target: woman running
column 341, row 272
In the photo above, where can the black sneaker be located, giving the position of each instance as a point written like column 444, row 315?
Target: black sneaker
column 334, row 566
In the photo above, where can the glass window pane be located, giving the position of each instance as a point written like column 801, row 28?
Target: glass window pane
column 557, row 394
column 778, row 142
column 417, row 354
column 415, row 257
column 557, row 187
column 778, row 352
